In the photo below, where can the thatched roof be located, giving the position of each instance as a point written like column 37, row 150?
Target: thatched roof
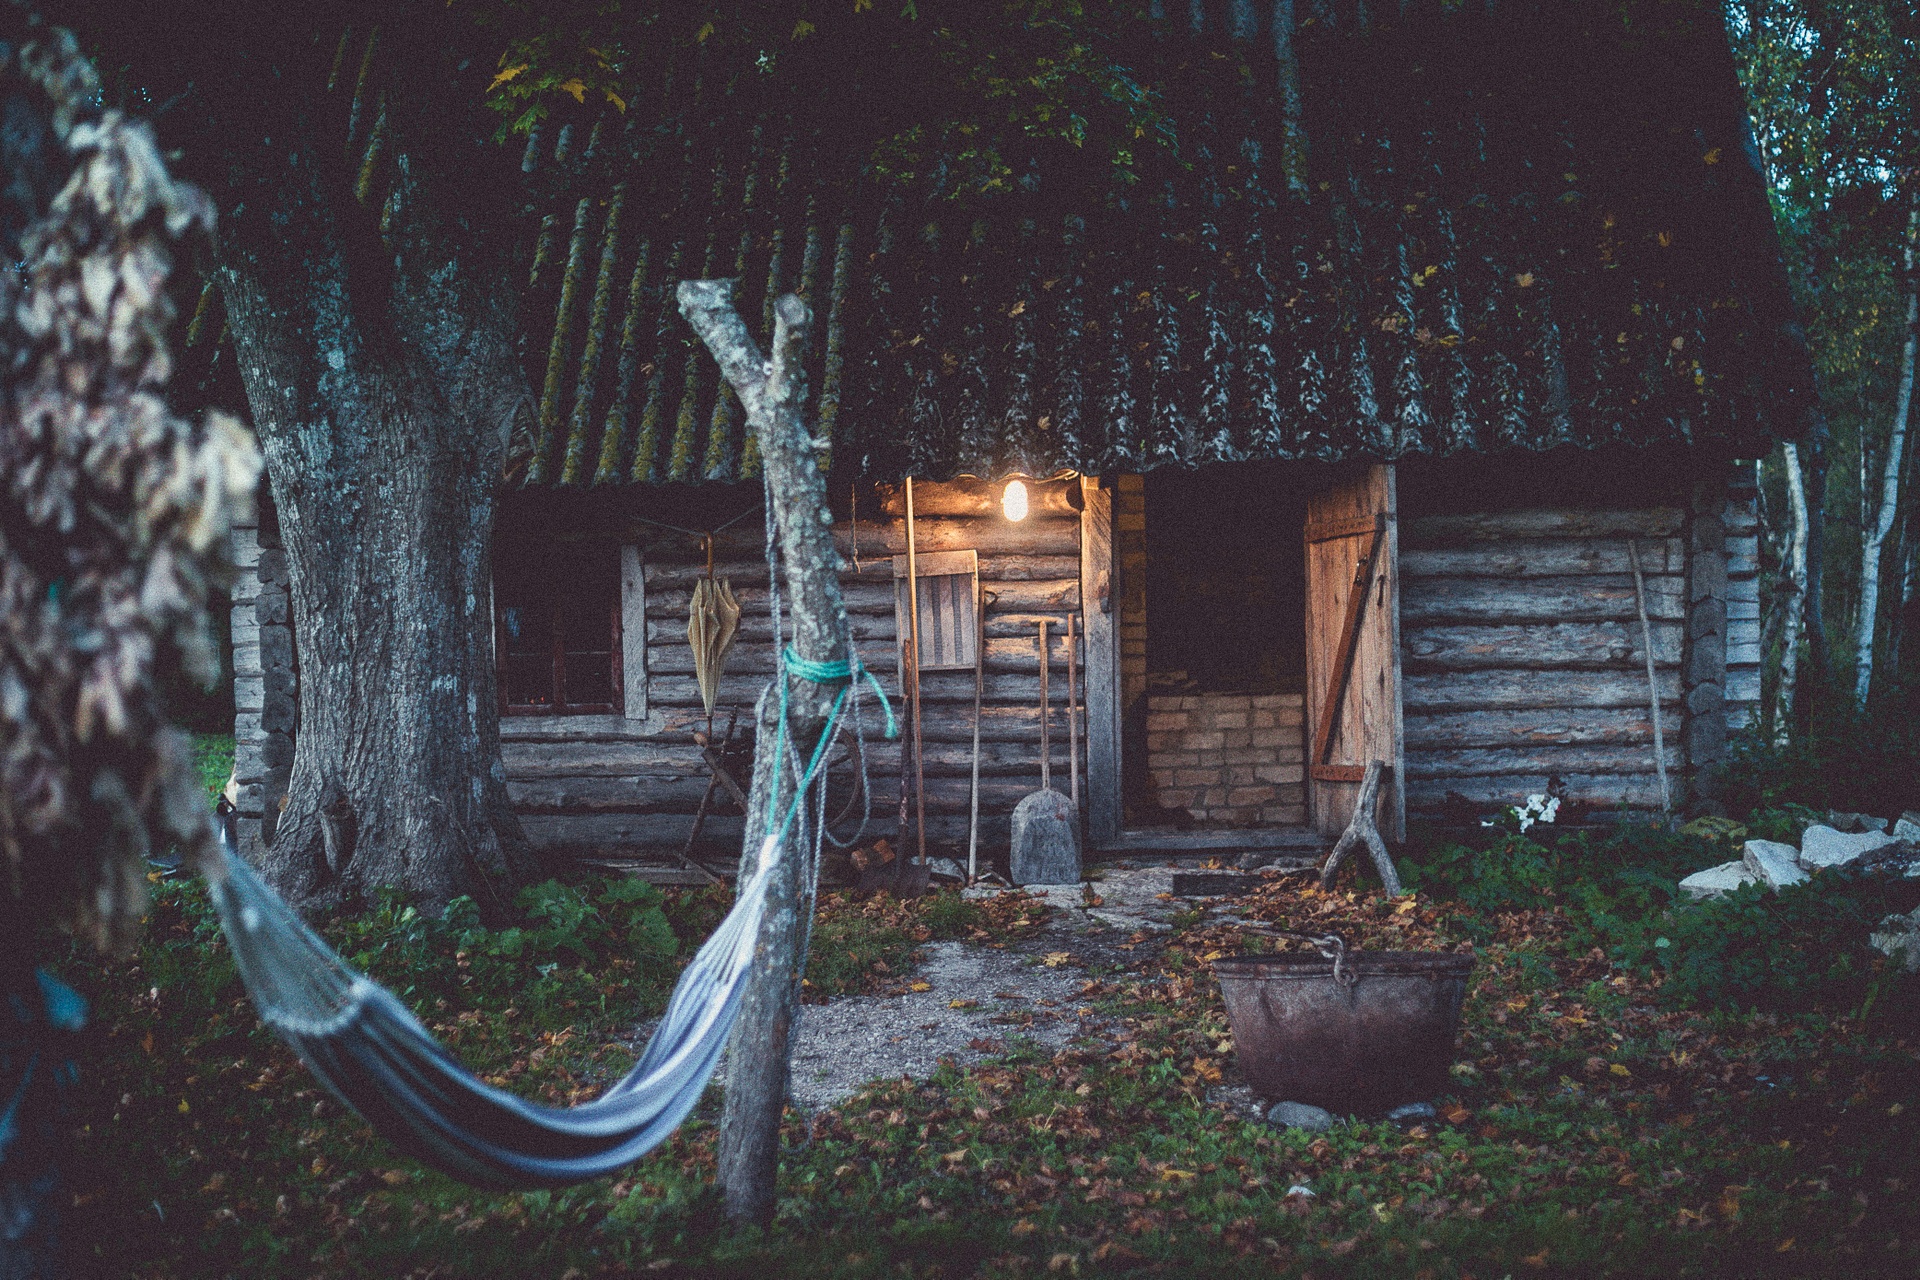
column 1443, row 230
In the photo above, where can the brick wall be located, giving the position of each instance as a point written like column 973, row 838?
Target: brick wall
column 1229, row 759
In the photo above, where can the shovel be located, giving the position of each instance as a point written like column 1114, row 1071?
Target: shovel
column 1046, row 841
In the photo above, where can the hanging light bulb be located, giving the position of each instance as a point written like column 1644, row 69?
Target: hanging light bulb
column 1014, row 501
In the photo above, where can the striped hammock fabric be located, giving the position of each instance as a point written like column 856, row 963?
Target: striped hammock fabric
column 376, row 1057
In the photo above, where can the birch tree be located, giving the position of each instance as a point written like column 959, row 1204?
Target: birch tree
column 1881, row 524
column 1794, row 565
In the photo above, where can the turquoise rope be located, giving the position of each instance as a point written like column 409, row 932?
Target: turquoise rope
column 822, row 673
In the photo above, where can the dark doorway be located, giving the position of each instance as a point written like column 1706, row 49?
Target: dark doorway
column 1226, row 580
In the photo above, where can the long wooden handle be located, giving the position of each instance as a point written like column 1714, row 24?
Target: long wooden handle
column 1073, row 731
column 1046, row 737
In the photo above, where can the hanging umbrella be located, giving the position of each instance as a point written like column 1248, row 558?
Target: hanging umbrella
column 711, row 621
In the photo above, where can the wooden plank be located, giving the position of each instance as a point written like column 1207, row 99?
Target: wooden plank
column 249, row 693
column 1743, row 685
column 1598, row 598
column 1607, row 790
column 1463, row 690
column 1553, row 644
column 1038, row 595
column 633, row 632
column 1013, row 655
column 606, row 795
column 568, row 759
column 739, row 690
column 1541, row 760
column 1046, row 499
column 1743, row 556
column 1500, row 526
column 1544, row 558
column 616, row 832
column 1527, row 727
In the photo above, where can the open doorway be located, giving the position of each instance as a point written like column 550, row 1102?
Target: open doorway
column 1222, row 736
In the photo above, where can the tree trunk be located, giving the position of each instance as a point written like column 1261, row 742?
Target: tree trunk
column 773, row 393
column 379, row 363
column 1875, row 530
column 1816, row 675
column 1796, row 593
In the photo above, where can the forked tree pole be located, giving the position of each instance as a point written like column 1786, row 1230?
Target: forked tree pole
column 773, row 393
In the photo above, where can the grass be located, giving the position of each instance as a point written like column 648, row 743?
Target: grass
column 1598, row 1125
column 213, row 757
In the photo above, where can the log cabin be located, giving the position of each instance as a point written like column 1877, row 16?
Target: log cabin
column 1400, row 415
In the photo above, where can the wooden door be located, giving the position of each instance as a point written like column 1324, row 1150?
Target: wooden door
column 1353, row 651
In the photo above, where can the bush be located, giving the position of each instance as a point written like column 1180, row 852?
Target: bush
column 1800, row 949
column 1853, row 763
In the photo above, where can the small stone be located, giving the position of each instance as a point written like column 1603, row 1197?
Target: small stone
column 1870, row 823
column 945, row 869
column 1898, row 938
column 1825, row 847
column 1908, row 828
column 1412, row 1113
column 1717, row 881
column 1772, row 863
column 1847, row 822
column 1298, row 1115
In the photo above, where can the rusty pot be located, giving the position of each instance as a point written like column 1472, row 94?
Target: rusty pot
column 1361, row 1048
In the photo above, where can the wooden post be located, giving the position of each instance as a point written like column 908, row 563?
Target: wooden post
column 772, row 391
column 1100, row 627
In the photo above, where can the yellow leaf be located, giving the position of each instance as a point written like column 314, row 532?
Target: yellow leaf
column 1620, row 1069
column 1524, row 279
column 619, row 103
column 1175, row 1175
column 702, row 34
column 1054, row 959
column 506, row 75
column 1783, row 1246
column 577, row 88
column 920, row 986
column 1712, row 156
column 802, row 29
column 184, row 1108
column 861, row 6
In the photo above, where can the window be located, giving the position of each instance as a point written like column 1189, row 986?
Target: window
column 557, row 642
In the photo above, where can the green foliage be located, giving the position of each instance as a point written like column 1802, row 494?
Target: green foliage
column 973, row 85
column 572, row 935
column 1853, row 763
column 213, row 759
column 1803, row 948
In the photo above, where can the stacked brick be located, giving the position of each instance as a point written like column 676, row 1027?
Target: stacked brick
column 1229, row 759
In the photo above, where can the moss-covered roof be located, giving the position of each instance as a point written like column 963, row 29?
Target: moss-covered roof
column 1454, row 229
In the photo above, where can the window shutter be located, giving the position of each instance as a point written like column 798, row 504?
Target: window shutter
column 949, row 587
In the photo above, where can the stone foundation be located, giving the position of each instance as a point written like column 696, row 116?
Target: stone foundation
column 1229, row 759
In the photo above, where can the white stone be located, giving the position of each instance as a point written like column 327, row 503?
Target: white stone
column 1716, row 881
column 1772, row 863
column 1908, row 828
column 1898, row 938
column 1825, row 847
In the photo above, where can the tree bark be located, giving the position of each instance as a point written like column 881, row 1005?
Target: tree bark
column 1796, row 591
column 1881, row 524
column 773, row 393
column 380, row 366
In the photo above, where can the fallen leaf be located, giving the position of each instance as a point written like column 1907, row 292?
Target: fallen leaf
column 1054, row 959
column 920, row 986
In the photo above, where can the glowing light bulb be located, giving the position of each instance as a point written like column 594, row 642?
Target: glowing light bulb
column 1014, row 501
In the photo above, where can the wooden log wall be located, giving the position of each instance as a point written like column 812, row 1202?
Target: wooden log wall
column 1523, row 659
column 1743, row 601
column 265, row 676
column 615, row 786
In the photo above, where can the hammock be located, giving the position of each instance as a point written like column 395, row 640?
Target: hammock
column 376, row 1057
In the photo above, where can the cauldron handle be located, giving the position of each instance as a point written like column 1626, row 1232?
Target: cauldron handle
column 1330, row 945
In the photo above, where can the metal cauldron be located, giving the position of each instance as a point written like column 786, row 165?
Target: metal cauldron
column 1381, row 1036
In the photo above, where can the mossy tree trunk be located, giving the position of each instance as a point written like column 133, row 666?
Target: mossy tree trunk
column 377, row 349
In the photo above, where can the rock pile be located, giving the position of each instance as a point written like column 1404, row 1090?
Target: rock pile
column 1869, row 844
column 1860, row 841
